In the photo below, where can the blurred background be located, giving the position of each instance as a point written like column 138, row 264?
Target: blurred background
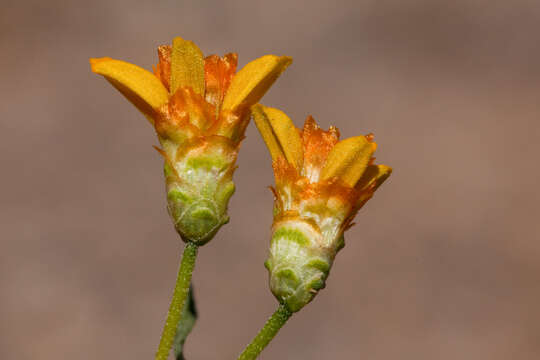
column 442, row 264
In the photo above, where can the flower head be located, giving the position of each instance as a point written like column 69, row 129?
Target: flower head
column 199, row 107
column 321, row 183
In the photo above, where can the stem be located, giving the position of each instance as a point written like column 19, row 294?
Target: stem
column 178, row 300
column 267, row 333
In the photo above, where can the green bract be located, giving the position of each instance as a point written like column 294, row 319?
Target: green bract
column 298, row 265
column 199, row 186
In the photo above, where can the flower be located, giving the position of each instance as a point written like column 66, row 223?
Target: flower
column 321, row 183
column 199, row 107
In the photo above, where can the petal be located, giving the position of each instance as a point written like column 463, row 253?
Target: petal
column 231, row 124
column 348, row 160
column 139, row 86
column 187, row 66
column 186, row 104
column 286, row 134
column 285, row 175
column 253, row 81
column 263, row 124
column 163, row 68
column 317, row 145
column 374, row 176
column 218, row 74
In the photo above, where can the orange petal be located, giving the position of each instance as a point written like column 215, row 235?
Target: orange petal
column 284, row 172
column 218, row 74
column 186, row 103
column 317, row 145
column 231, row 124
column 163, row 68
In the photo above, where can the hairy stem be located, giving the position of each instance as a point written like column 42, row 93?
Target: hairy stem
column 267, row 333
column 181, row 291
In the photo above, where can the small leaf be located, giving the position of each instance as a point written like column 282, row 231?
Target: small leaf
column 189, row 316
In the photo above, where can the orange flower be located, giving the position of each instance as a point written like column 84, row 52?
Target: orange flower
column 199, row 107
column 321, row 183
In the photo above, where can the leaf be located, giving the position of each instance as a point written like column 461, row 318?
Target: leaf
column 189, row 316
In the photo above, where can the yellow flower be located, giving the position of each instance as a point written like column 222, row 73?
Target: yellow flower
column 321, row 183
column 199, row 107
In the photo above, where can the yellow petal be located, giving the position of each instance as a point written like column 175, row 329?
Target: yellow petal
column 348, row 160
column 279, row 131
column 374, row 174
column 138, row 85
column 187, row 66
column 263, row 124
column 287, row 135
column 253, row 81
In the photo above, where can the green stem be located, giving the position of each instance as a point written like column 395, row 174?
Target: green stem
column 267, row 333
column 181, row 291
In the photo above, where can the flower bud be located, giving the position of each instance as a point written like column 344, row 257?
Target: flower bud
column 199, row 186
column 321, row 183
column 299, row 262
column 199, row 107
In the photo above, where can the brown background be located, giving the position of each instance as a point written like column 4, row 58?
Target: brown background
column 442, row 264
